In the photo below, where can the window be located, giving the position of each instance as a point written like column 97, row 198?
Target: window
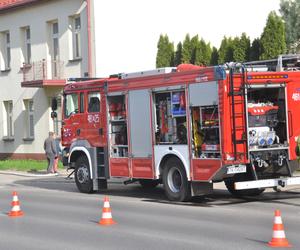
column 27, row 46
column 71, row 104
column 55, row 44
column 56, row 123
column 8, row 119
column 29, row 119
column 5, row 51
column 76, row 37
column 94, row 102
column 81, row 102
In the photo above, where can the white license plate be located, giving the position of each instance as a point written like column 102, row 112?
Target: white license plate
column 236, row 169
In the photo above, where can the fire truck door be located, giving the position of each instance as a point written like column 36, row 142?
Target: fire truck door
column 94, row 124
column 293, row 97
column 140, row 133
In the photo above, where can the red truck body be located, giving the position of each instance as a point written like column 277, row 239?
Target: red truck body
column 187, row 128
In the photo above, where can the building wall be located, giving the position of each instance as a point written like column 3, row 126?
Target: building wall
column 37, row 17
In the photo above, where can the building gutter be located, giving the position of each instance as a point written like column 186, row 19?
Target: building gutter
column 89, row 29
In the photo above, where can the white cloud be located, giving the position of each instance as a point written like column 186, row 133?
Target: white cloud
column 127, row 31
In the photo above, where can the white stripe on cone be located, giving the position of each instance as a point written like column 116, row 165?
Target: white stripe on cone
column 106, row 216
column 15, row 198
column 106, row 204
column 277, row 220
column 16, row 208
column 279, row 234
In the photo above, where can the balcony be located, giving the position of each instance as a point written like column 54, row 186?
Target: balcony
column 43, row 73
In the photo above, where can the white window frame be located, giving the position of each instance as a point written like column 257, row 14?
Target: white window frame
column 29, row 118
column 8, row 124
column 76, row 38
column 55, row 51
column 27, row 37
column 5, row 52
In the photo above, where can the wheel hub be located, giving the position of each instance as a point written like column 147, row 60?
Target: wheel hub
column 174, row 180
column 82, row 175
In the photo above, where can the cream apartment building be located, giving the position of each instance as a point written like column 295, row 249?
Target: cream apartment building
column 42, row 43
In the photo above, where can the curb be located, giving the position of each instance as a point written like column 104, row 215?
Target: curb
column 24, row 174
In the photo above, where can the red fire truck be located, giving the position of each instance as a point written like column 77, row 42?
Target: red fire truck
column 186, row 127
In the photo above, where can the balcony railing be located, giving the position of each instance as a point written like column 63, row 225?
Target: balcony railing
column 43, row 70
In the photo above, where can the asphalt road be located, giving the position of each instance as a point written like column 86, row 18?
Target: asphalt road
column 59, row 217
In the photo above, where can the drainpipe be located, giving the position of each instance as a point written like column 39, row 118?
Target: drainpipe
column 90, row 71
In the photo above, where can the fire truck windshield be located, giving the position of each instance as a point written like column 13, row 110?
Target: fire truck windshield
column 70, row 104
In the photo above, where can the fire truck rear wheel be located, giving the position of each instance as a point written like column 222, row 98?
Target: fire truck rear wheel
column 229, row 183
column 176, row 185
column 83, row 179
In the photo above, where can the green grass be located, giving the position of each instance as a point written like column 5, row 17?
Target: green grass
column 25, row 165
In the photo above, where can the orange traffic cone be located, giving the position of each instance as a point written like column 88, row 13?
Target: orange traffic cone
column 278, row 239
column 15, row 210
column 106, row 219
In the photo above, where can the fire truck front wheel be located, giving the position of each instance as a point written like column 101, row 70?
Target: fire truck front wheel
column 176, row 185
column 82, row 175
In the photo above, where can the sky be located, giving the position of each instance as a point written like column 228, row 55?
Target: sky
column 127, row 31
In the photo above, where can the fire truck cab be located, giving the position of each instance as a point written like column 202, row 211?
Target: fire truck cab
column 186, row 127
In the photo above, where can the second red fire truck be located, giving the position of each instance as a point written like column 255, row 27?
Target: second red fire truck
column 187, row 128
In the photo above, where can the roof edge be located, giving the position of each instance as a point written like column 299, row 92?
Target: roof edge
column 15, row 5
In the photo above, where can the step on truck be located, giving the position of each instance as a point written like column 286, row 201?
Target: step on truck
column 187, row 128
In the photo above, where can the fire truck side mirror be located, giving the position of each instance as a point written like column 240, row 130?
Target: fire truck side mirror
column 54, row 104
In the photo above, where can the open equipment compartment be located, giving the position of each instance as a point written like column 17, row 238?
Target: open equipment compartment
column 205, row 132
column 117, row 126
column 170, row 116
column 267, row 118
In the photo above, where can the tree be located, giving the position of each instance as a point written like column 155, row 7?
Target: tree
column 241, row 48
column 205, row 51
column 273, row 37
column 290, row 11
column 165, row 52
column 186, row 50
column 195, row 50
column 222, row 50
column 178, row 54
column 226, row 50
column 255, row 50
column 214, row 56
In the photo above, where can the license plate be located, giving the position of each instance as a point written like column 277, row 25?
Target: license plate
column 236, row 169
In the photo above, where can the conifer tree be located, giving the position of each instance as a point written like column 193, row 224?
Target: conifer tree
column 255, row 50
column 178, row 54
column 214, row 56
column 165, row 52
column 186, row 50
column 273, row 37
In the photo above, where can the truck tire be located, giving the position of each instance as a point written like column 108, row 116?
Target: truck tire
column 229, row 183
column 149, row 184
column 176, row 185
column 83, row 179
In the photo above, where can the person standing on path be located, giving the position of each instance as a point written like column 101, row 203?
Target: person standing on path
column 58, row 152
column 50, row 150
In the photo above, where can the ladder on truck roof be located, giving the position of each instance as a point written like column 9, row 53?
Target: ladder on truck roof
column 237, row 92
